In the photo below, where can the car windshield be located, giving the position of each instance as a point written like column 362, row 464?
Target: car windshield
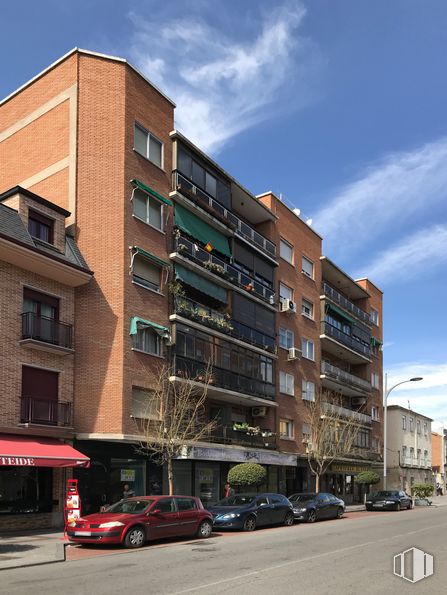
column 385, row 494
column 302, row 497
column 237, row 500
column 130, row 506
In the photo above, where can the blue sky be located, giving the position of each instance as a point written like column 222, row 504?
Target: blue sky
column 339, row 106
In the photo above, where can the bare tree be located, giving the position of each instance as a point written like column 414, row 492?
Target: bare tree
column 174, row 417
column 331, row 433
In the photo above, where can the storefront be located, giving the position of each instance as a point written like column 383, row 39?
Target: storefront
column 340, row 481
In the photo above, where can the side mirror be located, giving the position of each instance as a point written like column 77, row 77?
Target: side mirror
column 156, row 511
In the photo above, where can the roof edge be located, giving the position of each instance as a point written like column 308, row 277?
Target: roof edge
column 33, row 196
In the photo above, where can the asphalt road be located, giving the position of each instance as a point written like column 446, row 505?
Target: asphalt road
column 352, row 555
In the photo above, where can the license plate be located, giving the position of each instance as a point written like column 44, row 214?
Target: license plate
column 378, row 505
column 83, row 533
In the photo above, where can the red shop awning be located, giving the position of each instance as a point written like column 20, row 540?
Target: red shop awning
column 21, row 451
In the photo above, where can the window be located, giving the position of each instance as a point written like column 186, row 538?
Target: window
column 375, row 380
column 307, row 348
column 374, row 316
column 286, row 428
column 147, row 145
column 148, row 209
column 39, row 319
column 425, row 429
column 285, row 293
column 184, row 504
column 189, row 168
column 307, row 267
column 418, row 426
column 286, row 383
column 146, row 273
column 404, row 451
column 40, row 389
column 25, row 490
column 306, row 432
column 286, row 338
column 40, row 227
column 286, row 251
column 404, row 422
column 165, row 505
column 308, row 390
column 147, row 340
column 375, row 413
column 307, row 308
column 144, row 405
column 411, row 425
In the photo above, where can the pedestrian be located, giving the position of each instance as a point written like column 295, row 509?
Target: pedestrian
column 228, row 491
column 127, row 491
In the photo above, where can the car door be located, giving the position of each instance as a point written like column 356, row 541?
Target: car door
column 279, row 508
column 264, row 511
column 188, row 515
column 163, row 519
column 323, row 506
column 404, row 500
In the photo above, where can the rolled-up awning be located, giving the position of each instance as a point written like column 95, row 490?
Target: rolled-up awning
column 200, row 230
column 136, row 322
column 201, row 284
column 24, row 451
column 340, row 312
column 151, row 192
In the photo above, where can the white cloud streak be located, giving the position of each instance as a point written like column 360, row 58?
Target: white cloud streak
column 223, row 85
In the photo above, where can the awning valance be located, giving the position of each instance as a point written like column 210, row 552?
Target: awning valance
column 150, row 256
column 136, row 322
column 24, row 451
column 340, row 312
column 200, row 230
column 151, row 192
column 201, row 284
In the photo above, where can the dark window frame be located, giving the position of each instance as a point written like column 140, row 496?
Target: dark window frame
column 42, row 222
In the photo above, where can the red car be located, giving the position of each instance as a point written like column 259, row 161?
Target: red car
column 134, row 521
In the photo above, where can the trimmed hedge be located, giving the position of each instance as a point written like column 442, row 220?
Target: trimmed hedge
column 367, row 478
column 247, row 475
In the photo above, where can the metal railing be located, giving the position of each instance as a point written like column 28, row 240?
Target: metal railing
column 227, row 435
column 189, row 368
column 47, row 330
column 340, row 299
column 415, row 462
column 36, row 410
column 348, row 340
column 335, row 410
column 346, row 377
column 223, row 269
column 182, row 184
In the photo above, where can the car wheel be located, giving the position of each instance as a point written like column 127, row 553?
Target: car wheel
column 410, row 505
column 289, row 519
column 135, row 537
column 205, row 529
column 340, row 512
column 311, row 516
column 369, row 508
column 398, row 506
column 250, row 524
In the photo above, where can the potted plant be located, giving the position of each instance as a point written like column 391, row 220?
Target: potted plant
column 421, row 493
column 367, row 479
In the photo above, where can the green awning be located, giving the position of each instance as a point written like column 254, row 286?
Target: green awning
column 152, row 192
column 136, row 323
column 375, row 342
column 200, row 230
column 201, row 284
column 150, row 256
column 340, row 312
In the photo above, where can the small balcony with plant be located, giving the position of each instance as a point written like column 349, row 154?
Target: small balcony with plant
column 242, row 434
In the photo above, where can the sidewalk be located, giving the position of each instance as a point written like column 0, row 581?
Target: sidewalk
column 31, row 548
column 436, row 501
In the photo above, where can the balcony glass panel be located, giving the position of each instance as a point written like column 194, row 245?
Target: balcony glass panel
column 340, row 299
column 345, row 339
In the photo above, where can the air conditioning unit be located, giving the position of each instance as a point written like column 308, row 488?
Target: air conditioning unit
column 288, row 306
column 294, row 353
column 259, row 411
column 358, row 401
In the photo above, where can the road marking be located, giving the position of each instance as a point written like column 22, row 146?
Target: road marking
column 322, row 555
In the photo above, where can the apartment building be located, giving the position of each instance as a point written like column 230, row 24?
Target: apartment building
column 41, row 268
column 437, row 463
column 409, row 448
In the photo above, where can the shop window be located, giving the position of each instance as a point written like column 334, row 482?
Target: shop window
column 40, row 227
column 26, row 489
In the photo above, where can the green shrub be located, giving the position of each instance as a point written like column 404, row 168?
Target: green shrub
column 422, row 490
column 247, row 475
column 367, row 478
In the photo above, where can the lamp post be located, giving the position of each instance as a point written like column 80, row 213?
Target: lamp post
column 385, row 403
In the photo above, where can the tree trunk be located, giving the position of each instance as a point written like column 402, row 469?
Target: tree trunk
column 317, row 483
column 170, row 477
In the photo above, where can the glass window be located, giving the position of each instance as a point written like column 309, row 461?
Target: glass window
column 286, row 251
column 308, row 390
column 25, row 489
column 198, row 175
column 404, row 422
column 184, row 163
column 147, row 340
column 374, row 316
column 375, row 380
column 148, row 145
column 285, row 292
column 286, row 428
column 286, row 383
column 140, row 141
column 307, row 348
column 184, row 504
column 144, row 405
column 207, row 481
column 40, row 227
column 307, row 267
column 307, row 308
column 286, row 338
column 425, row 429
column 418, row 426
column 165, row 505
column 155, row 150
column 148, row 209
column 210, row 184
column 146, row 273
column 411, row 425
column 375, row 413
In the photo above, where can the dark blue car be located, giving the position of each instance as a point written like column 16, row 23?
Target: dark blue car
column 248, row 511
column 311, row 507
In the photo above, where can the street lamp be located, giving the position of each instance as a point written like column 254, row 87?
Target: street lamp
column 385, row 402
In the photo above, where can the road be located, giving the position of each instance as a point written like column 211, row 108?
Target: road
column 351, row 555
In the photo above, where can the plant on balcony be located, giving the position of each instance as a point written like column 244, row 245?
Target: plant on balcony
column 182, row 248
column 247, row 475
column 267, row 433
column 217, row 269
column 249, row 430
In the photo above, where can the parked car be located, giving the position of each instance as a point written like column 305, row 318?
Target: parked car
column 248, row 511
column 311, row 507
column 133, row 521
column 389, row 500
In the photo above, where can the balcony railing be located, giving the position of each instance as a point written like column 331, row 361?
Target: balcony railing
column 221, row 268
column 340, row 299
column 345, row 377
column 227, row 435
column 415, row 462
column 186, row 367
column 242, row 229
column 348, row 340
column 340, row 412
column 47, row 330
column 36, row 410
column 213, row 319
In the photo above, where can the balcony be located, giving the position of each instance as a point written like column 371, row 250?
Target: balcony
column 227, row 435
column 48, row 412
column 222, row 269
column 45, row 333
column 202, row 198
column 356, row 352
column 336, row 376
column 220, row 322
column 225, row 379
column 415, row 462
column 340, row 299
column 340, row 412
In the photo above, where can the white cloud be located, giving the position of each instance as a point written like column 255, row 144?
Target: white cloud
column 413, row 256
column 388, row 194
column 223, row 85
